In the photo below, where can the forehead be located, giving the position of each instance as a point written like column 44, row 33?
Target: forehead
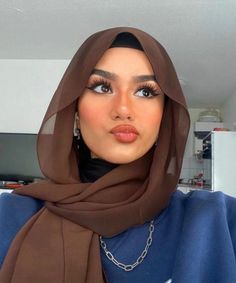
column 125, row 59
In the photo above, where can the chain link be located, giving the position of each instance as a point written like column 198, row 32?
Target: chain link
column 129, row 267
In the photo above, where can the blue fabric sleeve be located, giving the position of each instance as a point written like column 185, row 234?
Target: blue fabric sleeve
column 231, row 216
column 15, row 210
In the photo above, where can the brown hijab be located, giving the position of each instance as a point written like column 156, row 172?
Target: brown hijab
column 60, row 243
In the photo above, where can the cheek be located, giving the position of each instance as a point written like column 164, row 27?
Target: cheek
column 87, row 113
column 87, row 117
column 153, row 126
column 152, row 119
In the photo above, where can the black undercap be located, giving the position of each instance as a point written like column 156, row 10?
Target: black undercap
column 94, row 168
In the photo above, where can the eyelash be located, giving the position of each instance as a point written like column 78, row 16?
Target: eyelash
column 98, row 82
column 151, row 88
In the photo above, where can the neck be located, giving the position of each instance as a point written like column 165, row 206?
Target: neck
column 94, row 168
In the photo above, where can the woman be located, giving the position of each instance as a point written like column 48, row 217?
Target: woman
column 108, row 210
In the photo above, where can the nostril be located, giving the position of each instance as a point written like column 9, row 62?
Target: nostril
column 122, row 108
column 123, row 117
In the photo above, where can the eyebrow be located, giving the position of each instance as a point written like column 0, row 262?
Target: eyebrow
column 104, row 74
column 112, row 76
column 144, row 78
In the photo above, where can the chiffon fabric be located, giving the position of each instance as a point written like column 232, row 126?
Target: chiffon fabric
column 60, row 243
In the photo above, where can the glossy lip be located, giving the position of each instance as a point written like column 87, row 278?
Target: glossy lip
column 125, row 133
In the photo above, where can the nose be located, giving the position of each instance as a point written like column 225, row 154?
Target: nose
column 122, row 107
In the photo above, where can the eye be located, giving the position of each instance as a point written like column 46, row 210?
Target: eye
column 144, row 92
column 100, row 86
column 148, row 91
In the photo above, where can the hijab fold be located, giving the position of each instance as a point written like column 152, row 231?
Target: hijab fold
column 60, row 243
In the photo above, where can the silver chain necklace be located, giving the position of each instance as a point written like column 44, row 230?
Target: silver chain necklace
column 129, row 267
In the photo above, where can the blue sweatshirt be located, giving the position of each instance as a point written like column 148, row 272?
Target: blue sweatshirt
column 194, row 240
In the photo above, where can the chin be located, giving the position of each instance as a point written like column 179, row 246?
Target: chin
column 122, row 158
column 119, row 154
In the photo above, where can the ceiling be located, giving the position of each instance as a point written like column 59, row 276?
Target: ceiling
column 200, row 36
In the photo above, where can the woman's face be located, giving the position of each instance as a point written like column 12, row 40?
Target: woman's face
column 120, row 111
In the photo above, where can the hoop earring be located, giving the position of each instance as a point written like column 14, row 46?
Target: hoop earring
column 77, row 133
column 76, row 116
column 77, row 129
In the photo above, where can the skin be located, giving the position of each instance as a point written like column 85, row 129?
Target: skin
column 102, row 108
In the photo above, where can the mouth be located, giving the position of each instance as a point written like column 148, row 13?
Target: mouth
column 125, row 133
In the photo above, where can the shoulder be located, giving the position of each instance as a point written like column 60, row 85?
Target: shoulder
column 15, row 210
column 16, row 200
column 205, row 201
column 207, row 232
column 206, row 208
column 200, row 199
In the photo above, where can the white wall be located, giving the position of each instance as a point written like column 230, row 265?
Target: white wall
column 26, row 88
column 229, row 112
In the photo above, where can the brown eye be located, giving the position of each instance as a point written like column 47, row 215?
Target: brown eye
column 100, row 87
column 147, row 92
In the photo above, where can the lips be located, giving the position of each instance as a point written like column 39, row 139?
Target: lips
column 125, row 133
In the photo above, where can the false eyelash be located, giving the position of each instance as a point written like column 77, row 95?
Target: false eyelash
column 100, row 81
column 154, row 90
column 96, row 82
